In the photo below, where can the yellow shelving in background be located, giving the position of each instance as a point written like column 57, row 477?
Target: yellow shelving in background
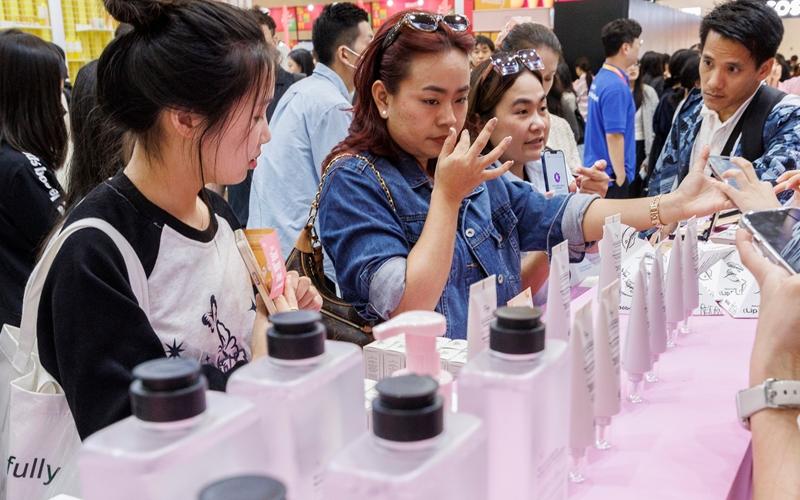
column 31, row 16
column 87, row 29
column 87, row 26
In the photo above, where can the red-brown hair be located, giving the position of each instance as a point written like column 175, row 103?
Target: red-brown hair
column 368, row 131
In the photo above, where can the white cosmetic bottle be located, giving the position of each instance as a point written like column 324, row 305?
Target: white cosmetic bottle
column 179, row 438
column 410, row 454
column 517, row 389
column 309, row 393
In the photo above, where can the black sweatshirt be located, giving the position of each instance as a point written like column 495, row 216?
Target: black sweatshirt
column 91, row 330
column 30, row 204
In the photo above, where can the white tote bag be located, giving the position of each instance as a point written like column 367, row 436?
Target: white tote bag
column 38, row 438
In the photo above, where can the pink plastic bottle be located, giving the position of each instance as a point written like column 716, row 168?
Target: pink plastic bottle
column 421, row 329
column 516, row 388
column 180, row 438
column 412, row 452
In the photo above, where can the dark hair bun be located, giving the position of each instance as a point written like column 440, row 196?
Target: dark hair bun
column 139, row 13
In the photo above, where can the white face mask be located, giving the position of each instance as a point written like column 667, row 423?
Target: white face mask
column 358, row 56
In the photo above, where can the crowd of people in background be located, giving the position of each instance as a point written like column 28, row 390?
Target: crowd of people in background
column 429, row 141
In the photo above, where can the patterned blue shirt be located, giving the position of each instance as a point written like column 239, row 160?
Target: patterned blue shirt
column 781, row 137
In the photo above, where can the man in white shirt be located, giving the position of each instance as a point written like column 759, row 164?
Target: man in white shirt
column 739, row 41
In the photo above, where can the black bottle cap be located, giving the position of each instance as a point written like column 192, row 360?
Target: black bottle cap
column 168, row 390
column 244, row 488
column 407, row 409
column 296, row 335
column 517, row 330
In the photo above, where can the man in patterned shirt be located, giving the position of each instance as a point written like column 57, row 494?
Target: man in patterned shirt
column 739, row 41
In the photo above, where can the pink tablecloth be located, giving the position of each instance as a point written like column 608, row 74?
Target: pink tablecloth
column 684, row 442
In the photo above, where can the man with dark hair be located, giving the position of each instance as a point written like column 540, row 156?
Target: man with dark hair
column 484, row 47
column 611, row 120
column 311, row 118
column 239, row 195
column 734, row 113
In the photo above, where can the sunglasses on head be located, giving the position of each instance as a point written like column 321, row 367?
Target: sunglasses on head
column 429, row 23
column 509, row 63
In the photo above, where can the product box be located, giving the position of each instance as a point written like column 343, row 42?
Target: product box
column 394, row 357
column 447, row 354
column 457, row 362
column 373, row 358
column 370, row 393
column 459, row 343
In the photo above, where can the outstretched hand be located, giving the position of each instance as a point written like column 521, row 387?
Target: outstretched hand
column 461, row 167
column 750, row 192
column 699, row 194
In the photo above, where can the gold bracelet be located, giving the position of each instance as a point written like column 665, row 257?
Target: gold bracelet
column 655, row 216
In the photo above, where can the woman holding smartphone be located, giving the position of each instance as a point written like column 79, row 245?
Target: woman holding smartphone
column 91, row 328
column 519, row 103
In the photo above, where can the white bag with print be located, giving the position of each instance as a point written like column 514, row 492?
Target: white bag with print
column 38, row 438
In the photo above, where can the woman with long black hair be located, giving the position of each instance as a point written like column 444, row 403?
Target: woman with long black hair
column 33, row 144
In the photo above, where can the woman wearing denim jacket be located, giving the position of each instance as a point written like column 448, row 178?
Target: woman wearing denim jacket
column 450, row 221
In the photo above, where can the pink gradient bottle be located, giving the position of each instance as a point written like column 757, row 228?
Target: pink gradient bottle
column 516, row 388
column 412, row 451
column 180, row 438
column 309, row 393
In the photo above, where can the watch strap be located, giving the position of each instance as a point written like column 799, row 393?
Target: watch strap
column 771, row 394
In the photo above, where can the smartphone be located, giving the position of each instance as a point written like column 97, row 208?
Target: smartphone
column 556, row 174
column 255, row 269
column 777, row 234
column 721, row 164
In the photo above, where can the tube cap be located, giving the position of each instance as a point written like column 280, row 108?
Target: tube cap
column 296, row 335
column 168, row 390
column 517, row 330
column 407, row 409
column 244, row 488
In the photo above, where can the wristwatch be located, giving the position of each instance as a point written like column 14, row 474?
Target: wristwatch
column 773, row 393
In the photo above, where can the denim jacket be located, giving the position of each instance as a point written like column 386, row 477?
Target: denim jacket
column 369, row 242
column 781, row 144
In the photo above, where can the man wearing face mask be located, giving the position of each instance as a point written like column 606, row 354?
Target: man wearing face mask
column 733, row 112
column 310, row 119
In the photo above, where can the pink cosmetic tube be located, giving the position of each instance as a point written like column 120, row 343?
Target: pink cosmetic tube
column 636, row 355
column 689, row 265
column 558, row 313
column 581, row 412
column 606, row 364
column 610, row 252
column 656, row 312
column 673, row 297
